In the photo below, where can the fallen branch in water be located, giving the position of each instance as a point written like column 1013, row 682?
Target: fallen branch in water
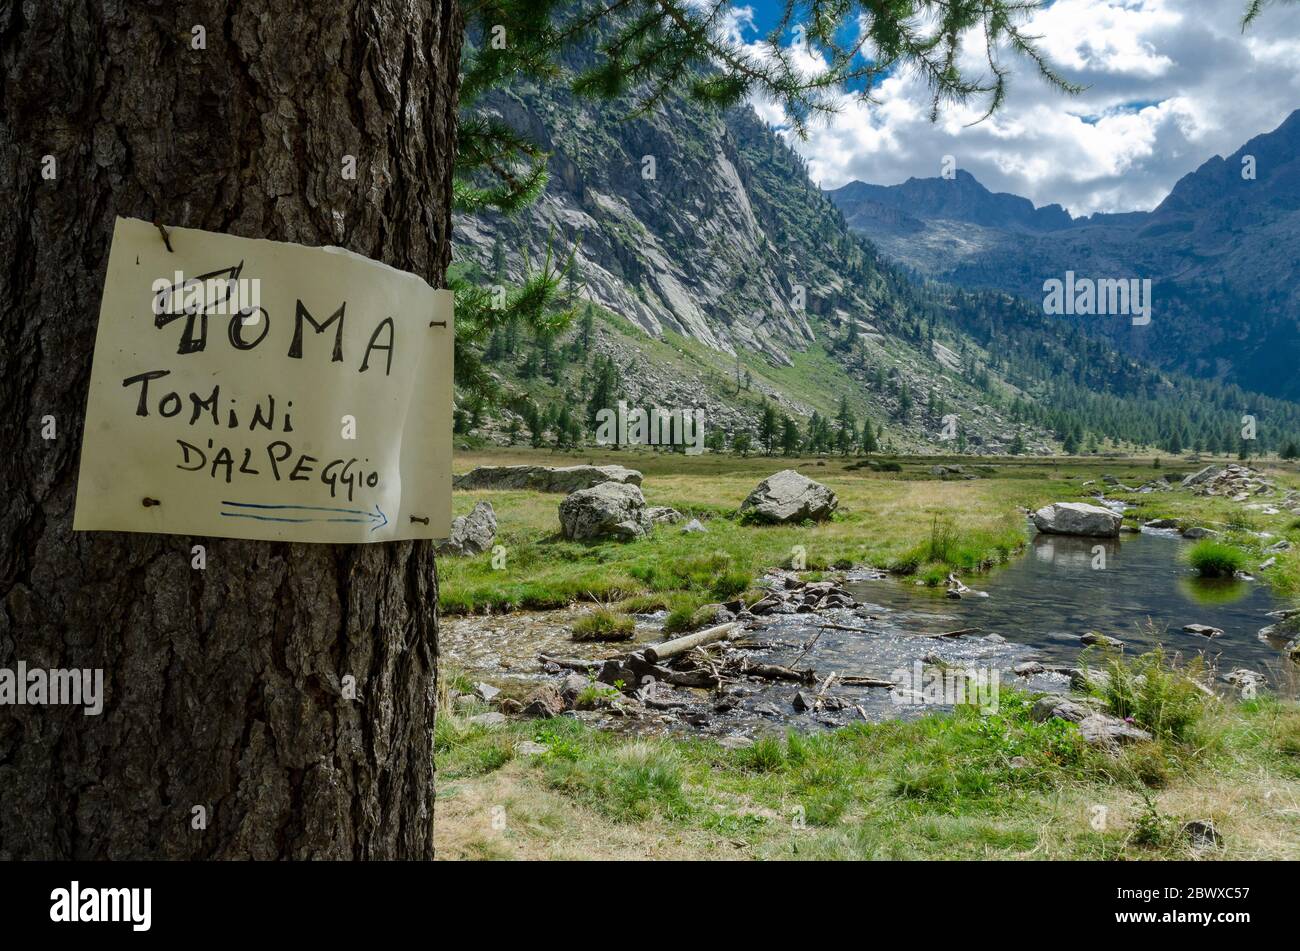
column 855, row 630
column 850, row 681
column 957, row 633
column 655, row 653
column 570, row 663
column 776, row 672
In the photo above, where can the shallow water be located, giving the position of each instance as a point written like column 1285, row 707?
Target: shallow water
column 1143, row 595
column 1037, row 608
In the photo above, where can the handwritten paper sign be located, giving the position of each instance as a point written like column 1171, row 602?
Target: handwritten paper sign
column 256, row 389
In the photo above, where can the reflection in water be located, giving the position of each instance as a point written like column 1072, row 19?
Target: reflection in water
column 1214, row 590
column 1067, row 551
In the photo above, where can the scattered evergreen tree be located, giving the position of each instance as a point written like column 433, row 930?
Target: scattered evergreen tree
column 768, row 428
column 789, row 436
column 846, row 427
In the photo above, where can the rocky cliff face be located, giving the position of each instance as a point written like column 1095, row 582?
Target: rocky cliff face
column 659, row 209
column 1221, row 251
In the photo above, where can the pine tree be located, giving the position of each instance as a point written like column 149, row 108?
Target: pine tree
column 768, row 428
column 847, row 427
column 868, row 442
column 789, row 436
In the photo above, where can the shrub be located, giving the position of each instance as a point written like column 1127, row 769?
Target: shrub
column 1155, row 693
column 1213, row 559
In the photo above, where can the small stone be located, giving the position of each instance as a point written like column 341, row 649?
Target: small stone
column 1204, row 630
column 1203, row 834
column 735, row 742
column 545, row 702
column 529, row 748
column 1097, row 639
column 486, row 692
column 494, row 718
column 1028, row 668
column 664, row 514
column 694, row 527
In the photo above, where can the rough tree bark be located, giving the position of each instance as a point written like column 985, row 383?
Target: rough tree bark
column 223, row 685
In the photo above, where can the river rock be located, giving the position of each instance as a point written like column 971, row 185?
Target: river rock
column 471, row 534
column 788, row 496
column 1161, row 523
column 1107, row 731
column 1244, row 678
column 609, row 510
column 564, row 479
column 1098, row 729
column 664, row 514
column 545, row 702
column 1204, row 630
column 1077, row 518
column 1197, row 531
column 1097, row 639
column 1288, row 625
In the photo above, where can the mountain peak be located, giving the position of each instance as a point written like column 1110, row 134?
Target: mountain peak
column 961, row 198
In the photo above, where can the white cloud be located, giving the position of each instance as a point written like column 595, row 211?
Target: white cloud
column 1170, row 83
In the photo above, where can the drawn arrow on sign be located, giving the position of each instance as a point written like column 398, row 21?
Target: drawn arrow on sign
column 283, row 513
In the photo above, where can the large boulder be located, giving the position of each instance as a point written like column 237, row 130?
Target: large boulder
column 471, row 534
column 609, row 510
column 789, row 497
column 1077, row 518
column 563, row 479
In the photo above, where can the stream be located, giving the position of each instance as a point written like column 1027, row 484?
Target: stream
column 1037, row 608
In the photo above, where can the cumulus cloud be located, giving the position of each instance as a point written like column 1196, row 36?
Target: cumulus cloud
column 1170, row 84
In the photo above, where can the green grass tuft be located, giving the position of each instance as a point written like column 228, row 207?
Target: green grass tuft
column 1213, row 559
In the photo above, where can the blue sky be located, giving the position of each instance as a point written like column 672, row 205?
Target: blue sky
column 1170, row 84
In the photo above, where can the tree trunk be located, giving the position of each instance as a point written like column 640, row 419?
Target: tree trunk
column 222, row 686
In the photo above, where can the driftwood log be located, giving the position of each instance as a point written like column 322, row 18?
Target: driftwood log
column 655, row 653
column 570, row 663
